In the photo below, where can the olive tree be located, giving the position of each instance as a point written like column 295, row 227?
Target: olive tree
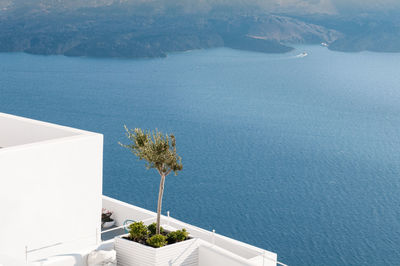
column 159, row 152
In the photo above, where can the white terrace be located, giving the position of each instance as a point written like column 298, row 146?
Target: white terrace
column 51, row 201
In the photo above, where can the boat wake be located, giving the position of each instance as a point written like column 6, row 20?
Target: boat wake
column 304, row 54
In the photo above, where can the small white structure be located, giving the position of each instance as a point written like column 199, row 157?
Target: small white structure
column 50, row 188
column 51, row 201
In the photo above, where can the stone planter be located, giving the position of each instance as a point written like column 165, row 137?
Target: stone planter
column 108, row 224
column 130, row 253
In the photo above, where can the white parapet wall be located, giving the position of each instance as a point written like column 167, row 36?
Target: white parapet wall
column 210, row 255
column 50, row 188
column 215, row 247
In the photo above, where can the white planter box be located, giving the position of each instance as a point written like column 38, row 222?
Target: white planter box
column 131, row 253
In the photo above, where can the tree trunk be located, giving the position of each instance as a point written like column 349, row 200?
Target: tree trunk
column 160, row 195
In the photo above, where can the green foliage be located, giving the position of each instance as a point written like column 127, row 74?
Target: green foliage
column 153, row 227
column 138, row 231
column 157, row 241
column 141, row 233
column 157, row 149
column 177, row 236
column 159, row 152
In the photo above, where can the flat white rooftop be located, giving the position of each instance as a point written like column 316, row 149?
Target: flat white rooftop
column 16, row 131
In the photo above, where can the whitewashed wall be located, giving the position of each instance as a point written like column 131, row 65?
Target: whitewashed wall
column 50, row 194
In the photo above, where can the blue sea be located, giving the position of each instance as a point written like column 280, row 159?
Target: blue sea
column 297, row 155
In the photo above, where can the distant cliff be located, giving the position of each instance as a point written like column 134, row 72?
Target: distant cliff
column 380, row 41
column 377, row 32
column 119, row 29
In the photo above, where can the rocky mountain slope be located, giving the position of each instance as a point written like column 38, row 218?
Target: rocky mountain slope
column 133, row 28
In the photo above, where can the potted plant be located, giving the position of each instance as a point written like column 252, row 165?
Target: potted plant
column 106, row 220
column 143, row 246
column 152, row 245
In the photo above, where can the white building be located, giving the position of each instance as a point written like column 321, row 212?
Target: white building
column 51, row 201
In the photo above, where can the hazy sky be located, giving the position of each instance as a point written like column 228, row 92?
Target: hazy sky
column 284, row 6
column 304, row 6
column 331, row 6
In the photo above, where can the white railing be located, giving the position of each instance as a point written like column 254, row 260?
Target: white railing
column 126, row 225
column 236, row 247
column 213, row 239
column 123, row 212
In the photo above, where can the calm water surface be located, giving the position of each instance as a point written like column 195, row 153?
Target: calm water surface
column 299, row 156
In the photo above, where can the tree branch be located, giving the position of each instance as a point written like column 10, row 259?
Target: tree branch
column 158, row 170
column 169, row 171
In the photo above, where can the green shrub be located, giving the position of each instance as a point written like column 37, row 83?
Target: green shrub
column 177, row 236
column 152, row 229
column 157, row 241
column 138, row 231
